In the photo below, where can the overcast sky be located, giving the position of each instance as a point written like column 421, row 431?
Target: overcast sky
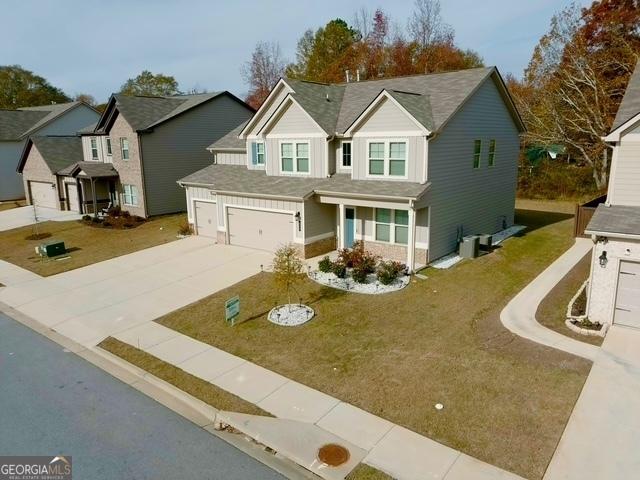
column 91, row 46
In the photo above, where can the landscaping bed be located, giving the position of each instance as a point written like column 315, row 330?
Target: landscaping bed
column 115, row 219
column 506, row 400
column 85, row 245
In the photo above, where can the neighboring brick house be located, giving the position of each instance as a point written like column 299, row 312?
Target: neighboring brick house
column 408, row 165
column 133, row 156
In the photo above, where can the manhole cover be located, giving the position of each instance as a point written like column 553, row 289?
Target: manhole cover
column 333, row 454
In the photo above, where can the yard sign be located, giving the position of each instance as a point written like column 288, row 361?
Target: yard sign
column 232, row 309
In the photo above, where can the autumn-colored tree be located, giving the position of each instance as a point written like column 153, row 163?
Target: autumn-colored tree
column 288, row 269
column 22, row 88
column 86, row 98
column 151, row 84
column 262, row 72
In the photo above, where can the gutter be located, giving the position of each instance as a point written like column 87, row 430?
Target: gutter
column 241, row 194
column 630, row 236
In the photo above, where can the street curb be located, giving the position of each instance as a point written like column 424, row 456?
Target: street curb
column 196, row 411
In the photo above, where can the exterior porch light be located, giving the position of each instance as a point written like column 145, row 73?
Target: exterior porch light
column 603, row 259
column 298, row 218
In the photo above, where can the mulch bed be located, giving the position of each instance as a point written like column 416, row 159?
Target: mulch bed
column 120, row 222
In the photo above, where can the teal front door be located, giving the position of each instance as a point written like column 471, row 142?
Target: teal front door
column 349, row 227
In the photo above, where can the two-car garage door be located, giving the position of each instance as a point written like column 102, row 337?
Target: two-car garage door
column 627, row 310
column 43, row 194
column 260, row 229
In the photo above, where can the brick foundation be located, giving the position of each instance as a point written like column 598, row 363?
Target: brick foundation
column 319, row 247
column 387, row 251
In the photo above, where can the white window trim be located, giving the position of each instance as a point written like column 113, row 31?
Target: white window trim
column 295, row 157
column 495, row 150
column 122, row 149
column 108, row 146
column 392, row 227
column 124, row 195
column 342, row 165
column 387, row 142
column 264, row 154
column 92, row 141
column 479, row 154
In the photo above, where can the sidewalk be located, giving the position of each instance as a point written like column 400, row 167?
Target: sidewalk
column 311, row 417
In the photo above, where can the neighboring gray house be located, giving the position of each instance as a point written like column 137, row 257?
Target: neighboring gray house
column 405, row 164
column 133, row 156
column 614, row 282
column 16, row 126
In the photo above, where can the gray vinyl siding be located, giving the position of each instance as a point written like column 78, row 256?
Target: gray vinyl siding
column 331, row 149
column 317, row 152
column 11, row 187
column 625, row 179
column 319, row 219
column 177, row 148
column 71, row 122
column 231, row 158
column 415, row 158
column 476, row 199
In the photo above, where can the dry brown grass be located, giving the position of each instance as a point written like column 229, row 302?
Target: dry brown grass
column 552, row 312
column 365, row 472
column 210, row 394
column 12, row 204
column 86, row 245
column 440, row 340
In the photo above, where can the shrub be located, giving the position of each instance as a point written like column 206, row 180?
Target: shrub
column 128, row 225
column 114, row 211
column 325, row 265
column 185, row 229
column 126, row 214
column 359, row 273
column 388, row 271
column 339, row 269
column 107, row 223
column 86, row 218
column 138, row 219
column 96, row 220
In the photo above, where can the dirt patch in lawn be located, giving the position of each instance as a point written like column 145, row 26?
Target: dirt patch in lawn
column 506, row 400
column 365, row 472
column 552, row 312
column 208, row 393
column 85, row 245
column 12, row 204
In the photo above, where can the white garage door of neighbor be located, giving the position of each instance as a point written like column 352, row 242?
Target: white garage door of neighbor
column 259, row 229
column 207, row 219
column 628, row 297
column 72, row 195
column 43, row 194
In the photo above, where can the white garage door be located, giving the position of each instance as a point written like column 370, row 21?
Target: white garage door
column 43, row 194
column 72, row 195
column 207, row 219
column 628, row 296
column 259, row 229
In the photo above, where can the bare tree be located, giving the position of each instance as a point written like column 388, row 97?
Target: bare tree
column 263, row 70
column 427, row 26
column 363, row 21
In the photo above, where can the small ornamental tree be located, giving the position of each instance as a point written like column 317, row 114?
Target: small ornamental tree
column 287, row 268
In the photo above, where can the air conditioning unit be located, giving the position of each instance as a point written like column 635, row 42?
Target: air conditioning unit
column 469, row 246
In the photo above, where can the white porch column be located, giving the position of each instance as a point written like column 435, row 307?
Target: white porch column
column 411, row 243
column 341, row 226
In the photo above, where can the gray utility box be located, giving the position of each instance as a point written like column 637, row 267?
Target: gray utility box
column 470, row 246
column 486, row 241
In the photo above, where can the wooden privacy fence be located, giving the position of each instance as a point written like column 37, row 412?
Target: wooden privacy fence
column 584, row 213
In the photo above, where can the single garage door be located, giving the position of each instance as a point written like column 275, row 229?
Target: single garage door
column 259, row 229
column 628, row 297
column 207, row 219
column 43, row 194
column 72, row 196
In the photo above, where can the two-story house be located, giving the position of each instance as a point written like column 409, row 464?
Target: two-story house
column 16, row 126
column 614, row 282
column 133, row 155
column 407, row 165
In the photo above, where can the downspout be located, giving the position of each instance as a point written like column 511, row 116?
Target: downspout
column 144, row 183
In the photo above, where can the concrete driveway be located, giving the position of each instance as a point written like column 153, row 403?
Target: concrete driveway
column 91, row 303
column 23, row 216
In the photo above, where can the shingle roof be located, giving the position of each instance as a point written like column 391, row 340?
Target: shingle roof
column 239, row 179
column 20, row 123
column 321, row 101
column 230, row 141
column 59, row 152
column 630, row 105
column 90, row 169
column 618, row 219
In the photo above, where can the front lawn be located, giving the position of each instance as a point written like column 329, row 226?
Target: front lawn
column 506, row 400
column 8, row 205
column 85, row 244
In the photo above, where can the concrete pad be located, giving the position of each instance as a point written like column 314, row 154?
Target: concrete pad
column 211, row 363
column 146, row 335
column 355, row 425
column 298, row 441
column 30, row 291
column 178, row 349
column 294, row 401
column 408, row 456
column 11, row 274
column 466, row 467
column 250, row 382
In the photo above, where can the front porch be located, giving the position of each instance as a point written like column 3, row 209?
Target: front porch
column 89, row 187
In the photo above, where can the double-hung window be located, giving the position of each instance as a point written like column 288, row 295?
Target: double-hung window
column 258, row 156
column 491, row 161
column 388, row 158
column 94, row 148
column 346, row 154
column 124, row 148
column 477, row 152
column 392, row 226
column 130, row 195
column 109, row 150
column 294, row 157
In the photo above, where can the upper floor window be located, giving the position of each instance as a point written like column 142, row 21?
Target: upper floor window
column 392, row 226
column 94, row 148
column 124, row 148
column 130, row 195
column 294, row 157
column 492, row 153
column 258, row 156
column 477, row 151
column 109, row 151
column 388, row 158
column 346, row 154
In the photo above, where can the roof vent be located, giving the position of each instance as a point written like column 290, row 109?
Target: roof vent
column 357, row 75
column 327, row 96
column 346, row 74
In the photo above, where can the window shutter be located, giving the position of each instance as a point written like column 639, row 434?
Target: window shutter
column 254, row 153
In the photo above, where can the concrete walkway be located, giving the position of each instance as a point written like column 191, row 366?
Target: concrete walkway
column 88, row 304
column 603, row 434
column 23, row 216
column 519, row 315
column 311, row 417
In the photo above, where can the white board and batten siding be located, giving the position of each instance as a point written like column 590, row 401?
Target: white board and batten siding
column 230, row 157
column 624, row 184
